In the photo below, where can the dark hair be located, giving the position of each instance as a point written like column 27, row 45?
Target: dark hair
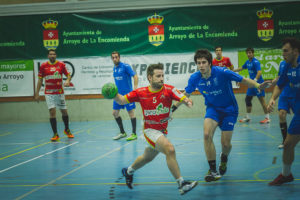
column 115, row 52
column 250, row 49
column 152, row 67
column 294, row 42
column 49, row 50
column 218, row 47
column 203, row 53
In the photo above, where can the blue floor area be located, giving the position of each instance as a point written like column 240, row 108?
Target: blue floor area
column 89, row 166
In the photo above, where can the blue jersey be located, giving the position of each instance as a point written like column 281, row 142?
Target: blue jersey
column 291, row 76
column 287, row 91
column 217, row 89
column 122, row 75
column 253, row 67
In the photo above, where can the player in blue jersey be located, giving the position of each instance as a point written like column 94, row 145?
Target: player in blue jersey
column 214, row 83
column 254, row 69
column 123, row 73
column 285, row 103
column 291, row 76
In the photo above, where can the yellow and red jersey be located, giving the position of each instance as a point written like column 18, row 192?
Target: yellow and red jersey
column 53, row 74
column 223, row 62
column 155, row 105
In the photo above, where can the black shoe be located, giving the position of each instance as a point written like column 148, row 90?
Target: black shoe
column 223, row 168
column 187, row 186
column 128, row 178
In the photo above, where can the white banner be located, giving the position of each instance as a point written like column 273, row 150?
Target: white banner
column 90, row 74
column 16, row 78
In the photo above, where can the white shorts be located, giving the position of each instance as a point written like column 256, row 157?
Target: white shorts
column 56, row 101
column 152, row 135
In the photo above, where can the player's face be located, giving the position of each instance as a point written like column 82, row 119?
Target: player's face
column 157, row 80
column 203, row 66
column 115, row 58
column 218, row 52
column 250, row 55
column 289, row 54
column 52, row 56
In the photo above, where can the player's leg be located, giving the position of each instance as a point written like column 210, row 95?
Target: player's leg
column 61, row 104
column 248, row 101
column 131, row 112
column 148, row 155
column 261, row 98
column 292, row 139
column 210, row 126
column 116, row 114
column 51, row 103
column 164, row 146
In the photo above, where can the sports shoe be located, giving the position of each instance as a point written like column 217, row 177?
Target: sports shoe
column 223, row 168
column 265, row 121
column 245, row 119
column 132, row 137
column 119, row 136
column 212, row 176
column 280, row 146
column 282, row 179
column 55, row 138
column 128, row 178
column 187, row 186
column 68, row 133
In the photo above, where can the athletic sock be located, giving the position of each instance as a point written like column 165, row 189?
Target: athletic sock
column 286, row 170
column 212, row 165
column 130, row 170
column 248, row 115
column 133, row 123
column 267, row 116
column 53, row 125
column 283, row 128
column 120, row 124
column 179, row 180
column 66, row 121
column 224, row 158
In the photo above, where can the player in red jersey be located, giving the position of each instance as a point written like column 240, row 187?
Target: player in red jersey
column 53, row 71
column 156, row 101
column 221, row 60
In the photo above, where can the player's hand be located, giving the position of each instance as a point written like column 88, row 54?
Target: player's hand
column 37, row 97
column 67, row 83
column 188, row 102
column 271, row 105
column 265, row 85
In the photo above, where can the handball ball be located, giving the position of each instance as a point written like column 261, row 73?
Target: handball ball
column 109, row 90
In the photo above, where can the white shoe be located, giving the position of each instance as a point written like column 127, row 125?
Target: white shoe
column 245, row 119
column 119, row 136
column 280, row 146
column 187, row 186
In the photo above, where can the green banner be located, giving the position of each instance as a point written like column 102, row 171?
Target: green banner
column 269, row 62
column 17, row 65
column 177, row 30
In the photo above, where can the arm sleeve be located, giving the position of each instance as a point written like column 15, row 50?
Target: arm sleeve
column 232, row 75
column 65, row 71
column 129, row 70
column 132, row 96
column 192, row 84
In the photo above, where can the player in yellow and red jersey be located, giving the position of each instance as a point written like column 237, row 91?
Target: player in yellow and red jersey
column 53, row 71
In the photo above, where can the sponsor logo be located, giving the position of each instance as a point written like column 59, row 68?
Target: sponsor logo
column 160, row 109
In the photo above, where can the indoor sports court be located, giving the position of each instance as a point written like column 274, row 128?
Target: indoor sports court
column 89, row 166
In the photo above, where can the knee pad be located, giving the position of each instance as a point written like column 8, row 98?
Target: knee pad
column 248, row 100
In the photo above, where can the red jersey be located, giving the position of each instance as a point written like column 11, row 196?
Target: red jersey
column 224, row 62
column 155, row 105
column 53, row 74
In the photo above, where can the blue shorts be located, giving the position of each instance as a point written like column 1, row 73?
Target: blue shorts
column 254, row 92
column 128, row 106
column 286, row 103
column 226, row 121
column 294, row 127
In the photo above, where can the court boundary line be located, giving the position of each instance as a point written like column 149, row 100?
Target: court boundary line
column 40, row 156
column 70, row 172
